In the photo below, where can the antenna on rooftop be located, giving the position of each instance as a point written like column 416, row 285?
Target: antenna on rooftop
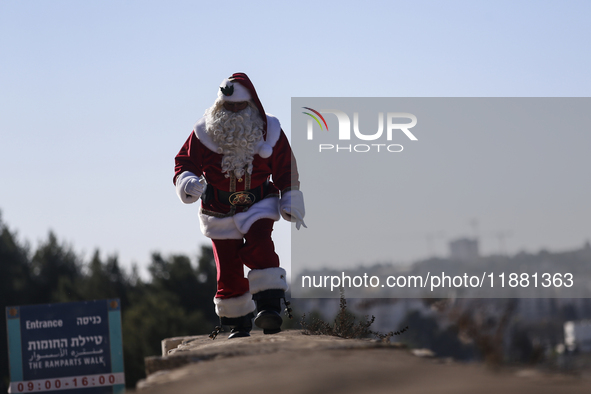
column 502, row 236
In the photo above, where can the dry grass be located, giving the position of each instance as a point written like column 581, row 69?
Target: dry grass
column 476, row 325
column 344, row 325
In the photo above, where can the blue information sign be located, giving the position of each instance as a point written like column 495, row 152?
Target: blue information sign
column 71, row 347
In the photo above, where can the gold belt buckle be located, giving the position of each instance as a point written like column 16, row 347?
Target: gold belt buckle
column 242, row 198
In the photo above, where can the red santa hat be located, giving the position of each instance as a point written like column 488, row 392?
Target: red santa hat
column 238, row 87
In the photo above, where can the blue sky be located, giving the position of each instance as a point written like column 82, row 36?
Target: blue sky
column 96, row 97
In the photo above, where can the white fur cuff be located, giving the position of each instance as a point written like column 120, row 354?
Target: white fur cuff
column 219, row 228
column 234, row 227
column 267, row 208
column 235, row 306
column 181, row 182
column 273, row 278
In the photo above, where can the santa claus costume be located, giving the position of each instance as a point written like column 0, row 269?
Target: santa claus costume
column 239, row 162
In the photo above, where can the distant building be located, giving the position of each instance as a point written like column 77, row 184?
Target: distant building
column 577, row 335
column 586, row 251
column 464, row 249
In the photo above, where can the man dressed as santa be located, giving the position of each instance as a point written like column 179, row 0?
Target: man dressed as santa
column 239, row 162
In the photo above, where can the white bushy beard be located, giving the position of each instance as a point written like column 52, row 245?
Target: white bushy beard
column 236, row 135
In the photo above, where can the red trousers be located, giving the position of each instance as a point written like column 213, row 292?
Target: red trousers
column 256, row 251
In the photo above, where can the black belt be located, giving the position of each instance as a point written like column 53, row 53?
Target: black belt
column 242, row 198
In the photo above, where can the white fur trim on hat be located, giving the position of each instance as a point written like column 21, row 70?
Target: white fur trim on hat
column 265, row 151
column 235, row 306
column 273, row 278
column 265, row 147
column 181, row 182
column 240, row 93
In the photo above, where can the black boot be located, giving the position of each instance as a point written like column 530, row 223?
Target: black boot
column 240, row 326
column 269, row 310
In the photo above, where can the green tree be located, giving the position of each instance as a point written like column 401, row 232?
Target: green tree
column 56, row 269
column 154, row 314
column 105, row 280
column 15, row 272
column 15, row 286
column 207, row 278
column 177, row 301
column 194, row 288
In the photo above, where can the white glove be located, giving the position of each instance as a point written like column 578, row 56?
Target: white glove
column 296, row 217
column 292, row 207
column 195, row 188
column 189, row 188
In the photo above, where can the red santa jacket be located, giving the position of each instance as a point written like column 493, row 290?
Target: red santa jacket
column 274, row 158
